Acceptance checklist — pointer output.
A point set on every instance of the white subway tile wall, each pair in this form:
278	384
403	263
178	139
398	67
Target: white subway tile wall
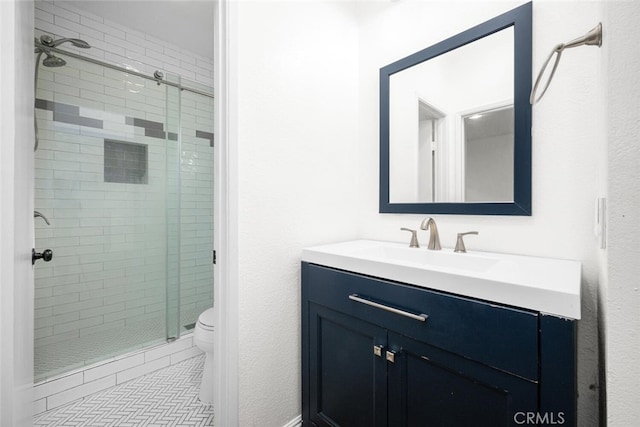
118	245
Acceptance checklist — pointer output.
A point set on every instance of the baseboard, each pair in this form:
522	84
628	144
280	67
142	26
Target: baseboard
296	422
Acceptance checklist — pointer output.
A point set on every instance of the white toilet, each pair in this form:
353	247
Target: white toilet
203	339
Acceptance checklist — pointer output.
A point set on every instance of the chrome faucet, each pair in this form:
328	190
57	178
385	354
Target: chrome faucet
434	239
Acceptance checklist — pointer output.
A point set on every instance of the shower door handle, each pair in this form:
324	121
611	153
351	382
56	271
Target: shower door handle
46	255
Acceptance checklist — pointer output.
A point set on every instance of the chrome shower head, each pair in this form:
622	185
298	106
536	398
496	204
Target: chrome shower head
53	61
47	42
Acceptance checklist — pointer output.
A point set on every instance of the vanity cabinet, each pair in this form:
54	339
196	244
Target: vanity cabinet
381	353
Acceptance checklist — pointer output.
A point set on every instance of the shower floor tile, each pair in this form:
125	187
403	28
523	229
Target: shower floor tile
168	397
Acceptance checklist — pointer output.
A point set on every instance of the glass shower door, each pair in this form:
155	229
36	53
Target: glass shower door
108	181
190	207
196	205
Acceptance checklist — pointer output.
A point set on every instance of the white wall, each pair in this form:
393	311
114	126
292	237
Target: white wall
294	70
489	168
621	295
568	142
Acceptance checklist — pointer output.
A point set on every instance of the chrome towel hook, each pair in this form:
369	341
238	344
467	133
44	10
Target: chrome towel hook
592	38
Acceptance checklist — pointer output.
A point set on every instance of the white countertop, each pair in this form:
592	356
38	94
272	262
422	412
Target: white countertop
547	285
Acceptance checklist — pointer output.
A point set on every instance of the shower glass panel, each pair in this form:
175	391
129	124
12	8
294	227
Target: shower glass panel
128	224
196	230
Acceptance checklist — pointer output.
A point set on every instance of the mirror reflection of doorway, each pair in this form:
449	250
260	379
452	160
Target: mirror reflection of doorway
488	155
430	134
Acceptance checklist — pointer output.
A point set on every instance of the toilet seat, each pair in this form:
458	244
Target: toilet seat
205	327
206	319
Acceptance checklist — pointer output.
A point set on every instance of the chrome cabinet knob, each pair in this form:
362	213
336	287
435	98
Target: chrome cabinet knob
391	356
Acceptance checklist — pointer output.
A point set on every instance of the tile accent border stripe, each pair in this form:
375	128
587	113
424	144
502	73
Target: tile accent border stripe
66	113
151	128
205	135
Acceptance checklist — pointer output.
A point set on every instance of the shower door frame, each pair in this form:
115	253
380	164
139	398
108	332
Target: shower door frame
225	275
16	397
16	213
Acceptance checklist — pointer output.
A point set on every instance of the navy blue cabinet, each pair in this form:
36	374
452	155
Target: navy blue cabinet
349	384
380	353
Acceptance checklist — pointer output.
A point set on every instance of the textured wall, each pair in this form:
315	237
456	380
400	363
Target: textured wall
622	294
295	66
306	154
568	146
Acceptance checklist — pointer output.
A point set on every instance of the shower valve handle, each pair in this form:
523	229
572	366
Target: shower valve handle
46	255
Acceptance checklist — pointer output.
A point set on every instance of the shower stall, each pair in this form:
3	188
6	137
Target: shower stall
124	201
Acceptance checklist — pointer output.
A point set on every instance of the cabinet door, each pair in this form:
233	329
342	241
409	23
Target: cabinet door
431	387
347	380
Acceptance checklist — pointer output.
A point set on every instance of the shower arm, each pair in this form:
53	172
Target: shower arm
592	38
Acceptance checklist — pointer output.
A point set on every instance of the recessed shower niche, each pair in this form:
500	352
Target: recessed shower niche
125	162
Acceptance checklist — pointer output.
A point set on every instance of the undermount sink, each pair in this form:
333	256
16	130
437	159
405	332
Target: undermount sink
438	259
543	284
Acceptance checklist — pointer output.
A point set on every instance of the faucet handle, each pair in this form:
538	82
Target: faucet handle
414	238
460	242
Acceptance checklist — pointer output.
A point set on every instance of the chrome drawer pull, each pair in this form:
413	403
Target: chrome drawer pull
420	317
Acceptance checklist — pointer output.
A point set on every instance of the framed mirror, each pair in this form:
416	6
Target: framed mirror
455	123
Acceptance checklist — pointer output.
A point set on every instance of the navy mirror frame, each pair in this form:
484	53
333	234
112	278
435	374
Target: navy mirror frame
521	20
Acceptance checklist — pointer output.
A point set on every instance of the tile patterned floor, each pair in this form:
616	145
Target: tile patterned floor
168	397
56	358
